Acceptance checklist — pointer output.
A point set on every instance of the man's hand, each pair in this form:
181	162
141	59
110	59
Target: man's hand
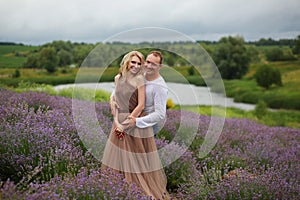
129	122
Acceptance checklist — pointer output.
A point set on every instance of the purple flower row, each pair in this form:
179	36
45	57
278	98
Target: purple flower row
41	150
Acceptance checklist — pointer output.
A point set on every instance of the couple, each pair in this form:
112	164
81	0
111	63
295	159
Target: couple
138	104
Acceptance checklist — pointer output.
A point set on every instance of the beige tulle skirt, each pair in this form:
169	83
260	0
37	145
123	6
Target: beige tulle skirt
137	158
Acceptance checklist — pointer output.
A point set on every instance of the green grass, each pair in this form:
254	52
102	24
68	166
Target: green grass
11	62
7	49
284	67
272	118
286	97
61	76
85	94
79	93
13	56
181	75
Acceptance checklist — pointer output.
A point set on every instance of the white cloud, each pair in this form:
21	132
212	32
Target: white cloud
37	21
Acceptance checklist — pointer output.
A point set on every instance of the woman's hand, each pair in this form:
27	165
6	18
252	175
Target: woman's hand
113	106
119	130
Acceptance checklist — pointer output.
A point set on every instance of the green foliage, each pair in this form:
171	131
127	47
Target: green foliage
231	57
80	52
51	80
261	109
59	45
80	93
85	94
6	49
271	118
16	74
253	54
274	54
13	56
249	92
277	54
65	58
266	75
32	61
196	80
272	42
191	71
296	48
48	59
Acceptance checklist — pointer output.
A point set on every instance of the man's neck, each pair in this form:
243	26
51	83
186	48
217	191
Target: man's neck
152	78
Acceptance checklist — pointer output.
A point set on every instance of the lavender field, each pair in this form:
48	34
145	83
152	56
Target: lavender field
42	156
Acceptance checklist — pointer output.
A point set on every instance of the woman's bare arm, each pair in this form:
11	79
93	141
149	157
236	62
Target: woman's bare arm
140	84
115	108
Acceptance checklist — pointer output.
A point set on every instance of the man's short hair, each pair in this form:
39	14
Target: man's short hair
157	54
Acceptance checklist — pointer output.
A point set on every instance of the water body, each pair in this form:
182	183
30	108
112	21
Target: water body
182	94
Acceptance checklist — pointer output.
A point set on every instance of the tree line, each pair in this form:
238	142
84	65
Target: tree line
232	55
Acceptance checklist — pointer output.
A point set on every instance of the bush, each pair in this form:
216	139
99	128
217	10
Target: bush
296	48
288	101
191	71
196	80
260	109
274	54
248	97
265	76
277	54
16	74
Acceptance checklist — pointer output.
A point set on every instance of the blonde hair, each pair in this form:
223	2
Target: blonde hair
124	65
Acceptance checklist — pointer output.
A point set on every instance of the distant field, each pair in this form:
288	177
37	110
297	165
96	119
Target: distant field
5	49
61	76
13	56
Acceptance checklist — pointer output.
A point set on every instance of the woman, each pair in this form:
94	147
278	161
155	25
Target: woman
132	151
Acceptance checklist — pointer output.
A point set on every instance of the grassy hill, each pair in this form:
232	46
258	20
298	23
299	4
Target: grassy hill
13	56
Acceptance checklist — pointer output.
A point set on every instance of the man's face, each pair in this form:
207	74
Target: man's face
152	65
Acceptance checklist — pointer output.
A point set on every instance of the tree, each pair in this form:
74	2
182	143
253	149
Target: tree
277	54
48	59
65	58
274	54
32	61
296	48
80	52
231	57
60	45
265	76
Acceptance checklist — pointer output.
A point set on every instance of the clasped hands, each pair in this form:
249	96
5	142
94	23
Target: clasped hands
129	122
120	130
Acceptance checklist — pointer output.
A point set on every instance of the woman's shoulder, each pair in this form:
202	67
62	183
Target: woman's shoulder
117	77
140	80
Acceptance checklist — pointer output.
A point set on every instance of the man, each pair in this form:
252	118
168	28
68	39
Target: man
156	95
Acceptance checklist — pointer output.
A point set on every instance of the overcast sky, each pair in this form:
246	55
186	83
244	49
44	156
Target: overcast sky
41	21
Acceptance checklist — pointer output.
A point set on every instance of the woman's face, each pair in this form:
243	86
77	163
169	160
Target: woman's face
134	65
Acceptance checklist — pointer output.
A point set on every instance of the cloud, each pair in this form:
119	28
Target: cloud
36	21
